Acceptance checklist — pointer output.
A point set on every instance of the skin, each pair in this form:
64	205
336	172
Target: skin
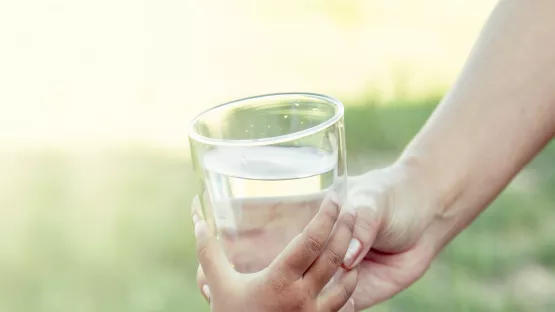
272	225
298	280
499	114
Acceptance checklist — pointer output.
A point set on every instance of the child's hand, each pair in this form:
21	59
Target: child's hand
293	282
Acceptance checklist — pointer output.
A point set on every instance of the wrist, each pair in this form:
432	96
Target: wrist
440	186
440	182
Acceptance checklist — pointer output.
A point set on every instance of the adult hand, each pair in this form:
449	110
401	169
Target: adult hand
393	242
394	210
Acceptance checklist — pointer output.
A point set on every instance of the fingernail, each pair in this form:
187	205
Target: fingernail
352	302
352	253
206	291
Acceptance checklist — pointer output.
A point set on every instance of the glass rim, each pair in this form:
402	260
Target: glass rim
193	134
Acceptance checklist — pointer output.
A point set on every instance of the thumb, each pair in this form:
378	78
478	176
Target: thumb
210	254
367	225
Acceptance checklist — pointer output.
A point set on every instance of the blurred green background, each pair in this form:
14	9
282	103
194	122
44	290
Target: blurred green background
96	180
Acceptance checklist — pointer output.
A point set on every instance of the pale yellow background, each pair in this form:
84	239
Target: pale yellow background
80	74
95	98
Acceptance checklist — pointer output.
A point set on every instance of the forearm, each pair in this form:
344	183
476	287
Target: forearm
498	115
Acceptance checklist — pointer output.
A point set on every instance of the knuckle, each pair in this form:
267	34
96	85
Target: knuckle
334	258
278	284
331	213
348	220
364	222
313	244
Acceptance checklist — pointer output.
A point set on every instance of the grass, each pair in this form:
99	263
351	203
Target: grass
110	230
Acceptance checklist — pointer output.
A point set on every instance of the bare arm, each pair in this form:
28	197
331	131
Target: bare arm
498	116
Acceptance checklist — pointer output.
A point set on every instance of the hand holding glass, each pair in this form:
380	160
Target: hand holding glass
265	164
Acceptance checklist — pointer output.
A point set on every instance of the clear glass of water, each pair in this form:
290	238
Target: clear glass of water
266	163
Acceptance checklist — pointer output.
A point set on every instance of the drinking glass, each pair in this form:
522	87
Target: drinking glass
265	164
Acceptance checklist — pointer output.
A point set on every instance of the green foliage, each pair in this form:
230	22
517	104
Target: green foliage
110	231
